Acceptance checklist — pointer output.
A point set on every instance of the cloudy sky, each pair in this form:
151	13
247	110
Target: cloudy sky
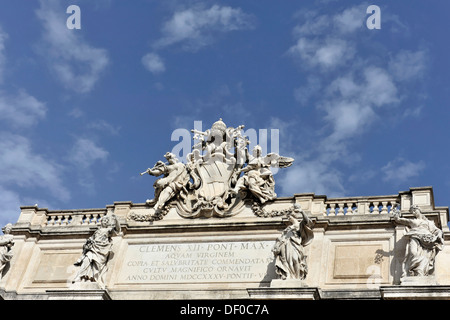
84	111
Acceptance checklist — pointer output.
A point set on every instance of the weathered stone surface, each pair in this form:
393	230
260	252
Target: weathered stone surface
419	281
194	262
292	283
284	293
420	292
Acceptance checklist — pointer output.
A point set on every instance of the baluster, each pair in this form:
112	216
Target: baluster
384	209
376	209
333	209
349	208
341	209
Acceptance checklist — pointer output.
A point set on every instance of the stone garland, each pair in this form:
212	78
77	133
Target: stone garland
263	213
149	217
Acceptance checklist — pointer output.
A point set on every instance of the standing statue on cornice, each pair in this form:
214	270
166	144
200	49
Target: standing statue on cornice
175	179
425	240
258	177
96	252
290	258
6	243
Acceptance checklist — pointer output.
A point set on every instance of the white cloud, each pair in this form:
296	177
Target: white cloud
379	88
21	166
408	65
22	169
344	86
104	126
76	113
356	90
308	173
153	63
323	40
373	86
21	110
326	53
351	19
312	24
196	27
413	111
350	104
76	64
342	23
85	153
348	119
402	170
310	176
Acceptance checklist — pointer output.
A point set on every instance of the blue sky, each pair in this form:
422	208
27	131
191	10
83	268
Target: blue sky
84	111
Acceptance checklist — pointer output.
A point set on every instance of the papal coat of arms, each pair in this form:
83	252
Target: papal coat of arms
220	176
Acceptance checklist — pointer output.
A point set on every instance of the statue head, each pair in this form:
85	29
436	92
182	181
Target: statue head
7	229
104	221
171	158
415	210
219	126
218	130
257	151
296	213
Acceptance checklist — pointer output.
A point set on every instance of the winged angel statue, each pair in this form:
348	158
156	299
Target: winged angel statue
220	175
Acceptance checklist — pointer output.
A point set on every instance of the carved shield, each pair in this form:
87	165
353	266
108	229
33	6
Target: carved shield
215	175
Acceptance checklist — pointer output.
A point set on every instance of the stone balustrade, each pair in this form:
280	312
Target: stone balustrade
316	205
73	218
359	206
43	217
320	205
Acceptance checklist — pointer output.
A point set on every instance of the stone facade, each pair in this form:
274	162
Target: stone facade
216	229
357	252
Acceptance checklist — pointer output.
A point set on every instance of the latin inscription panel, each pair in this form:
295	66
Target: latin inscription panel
237	261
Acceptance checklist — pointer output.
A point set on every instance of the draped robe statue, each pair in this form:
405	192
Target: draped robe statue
97	251
6	243
425	240
290	258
